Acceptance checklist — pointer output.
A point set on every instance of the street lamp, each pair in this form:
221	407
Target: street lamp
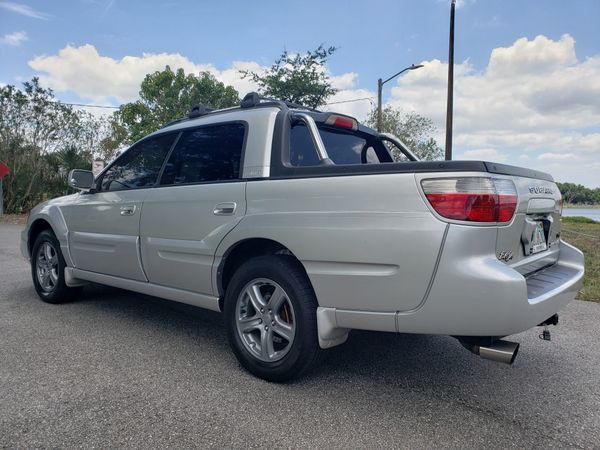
380	84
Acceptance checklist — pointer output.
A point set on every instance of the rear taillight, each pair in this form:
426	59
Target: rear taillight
472	199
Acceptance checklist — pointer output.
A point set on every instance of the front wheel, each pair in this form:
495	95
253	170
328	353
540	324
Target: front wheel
270	312
48	270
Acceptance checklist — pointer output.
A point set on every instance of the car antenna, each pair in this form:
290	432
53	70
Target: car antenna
319	97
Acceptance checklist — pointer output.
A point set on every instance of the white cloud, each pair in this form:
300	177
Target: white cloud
15	39
103	79
535	97
558	156
483	153
353	102
345	81
24	10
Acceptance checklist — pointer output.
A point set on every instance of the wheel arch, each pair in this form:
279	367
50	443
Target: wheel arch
48	217
36	227
244	250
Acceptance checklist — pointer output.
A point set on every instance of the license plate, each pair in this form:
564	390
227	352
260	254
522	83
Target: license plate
538	241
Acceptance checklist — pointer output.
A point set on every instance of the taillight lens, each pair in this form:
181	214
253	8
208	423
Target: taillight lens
472	199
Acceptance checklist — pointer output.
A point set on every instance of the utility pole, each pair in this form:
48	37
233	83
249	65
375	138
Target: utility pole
379	113
380	84
450	105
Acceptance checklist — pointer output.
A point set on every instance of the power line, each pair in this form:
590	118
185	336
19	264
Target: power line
89	106
86	105
349	101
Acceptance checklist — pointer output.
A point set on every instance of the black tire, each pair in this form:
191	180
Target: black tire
303	351
54	289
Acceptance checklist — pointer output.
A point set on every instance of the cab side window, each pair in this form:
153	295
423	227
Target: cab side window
210	153
139	166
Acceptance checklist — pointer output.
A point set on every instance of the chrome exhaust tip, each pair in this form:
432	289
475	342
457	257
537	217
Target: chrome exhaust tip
499	351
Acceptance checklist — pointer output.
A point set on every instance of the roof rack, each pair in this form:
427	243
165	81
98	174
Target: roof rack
250	100
195	112
199	110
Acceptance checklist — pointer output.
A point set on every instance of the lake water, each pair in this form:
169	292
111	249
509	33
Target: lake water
592	213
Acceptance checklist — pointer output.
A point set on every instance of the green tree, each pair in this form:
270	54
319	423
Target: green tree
42	139
33	125
297	78
59	163
412	128
166	96
578	194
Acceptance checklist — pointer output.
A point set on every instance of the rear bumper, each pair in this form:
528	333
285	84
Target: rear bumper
488	298
478	296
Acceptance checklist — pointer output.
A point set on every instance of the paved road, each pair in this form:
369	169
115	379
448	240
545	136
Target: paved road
120	369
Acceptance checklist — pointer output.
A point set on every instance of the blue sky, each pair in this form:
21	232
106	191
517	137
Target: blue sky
529	66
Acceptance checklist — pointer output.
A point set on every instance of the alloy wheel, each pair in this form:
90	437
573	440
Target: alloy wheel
265	320
46	267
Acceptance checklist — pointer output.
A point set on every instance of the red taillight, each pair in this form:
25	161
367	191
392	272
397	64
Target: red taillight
472	199
336	120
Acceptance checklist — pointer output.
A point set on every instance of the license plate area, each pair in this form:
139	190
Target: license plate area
534	237
538	241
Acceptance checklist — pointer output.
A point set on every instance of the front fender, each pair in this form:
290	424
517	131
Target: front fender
51	213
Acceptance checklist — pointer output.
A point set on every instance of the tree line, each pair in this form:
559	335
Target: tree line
577	194
42	139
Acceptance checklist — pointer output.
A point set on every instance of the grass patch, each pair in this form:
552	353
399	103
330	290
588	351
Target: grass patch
577	219
586	237
580	205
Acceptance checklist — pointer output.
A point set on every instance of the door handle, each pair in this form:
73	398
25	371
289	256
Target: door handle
128	210
225	209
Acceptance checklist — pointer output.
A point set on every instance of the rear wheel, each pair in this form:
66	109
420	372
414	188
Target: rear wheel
270	311
47	270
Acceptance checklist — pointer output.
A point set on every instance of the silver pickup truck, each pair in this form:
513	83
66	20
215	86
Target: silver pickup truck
300	225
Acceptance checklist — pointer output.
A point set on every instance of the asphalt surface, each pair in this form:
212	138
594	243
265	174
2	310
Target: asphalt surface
116	369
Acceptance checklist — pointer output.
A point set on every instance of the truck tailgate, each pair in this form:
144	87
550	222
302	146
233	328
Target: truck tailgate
530	241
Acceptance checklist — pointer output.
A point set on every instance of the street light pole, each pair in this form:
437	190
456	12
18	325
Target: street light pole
380	84
379	113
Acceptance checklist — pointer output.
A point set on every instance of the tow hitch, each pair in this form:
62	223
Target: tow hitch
546	333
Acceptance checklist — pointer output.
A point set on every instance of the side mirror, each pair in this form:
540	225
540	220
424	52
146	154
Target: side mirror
81	179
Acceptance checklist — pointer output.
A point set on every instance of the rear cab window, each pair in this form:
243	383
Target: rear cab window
344	147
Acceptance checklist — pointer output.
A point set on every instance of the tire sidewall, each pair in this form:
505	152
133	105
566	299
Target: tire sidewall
284	271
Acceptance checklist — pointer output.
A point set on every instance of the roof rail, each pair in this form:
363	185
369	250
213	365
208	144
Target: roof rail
250	100
253	99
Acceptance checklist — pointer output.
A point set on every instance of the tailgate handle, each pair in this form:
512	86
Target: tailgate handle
225	209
